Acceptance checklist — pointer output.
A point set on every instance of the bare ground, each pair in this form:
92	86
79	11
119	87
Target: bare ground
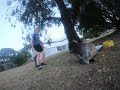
63	72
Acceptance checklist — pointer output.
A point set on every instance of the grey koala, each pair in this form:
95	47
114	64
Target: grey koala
84	51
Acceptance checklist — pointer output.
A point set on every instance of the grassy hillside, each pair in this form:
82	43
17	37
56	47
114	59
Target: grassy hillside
63	72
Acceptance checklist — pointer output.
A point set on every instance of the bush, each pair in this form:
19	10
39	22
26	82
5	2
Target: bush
19	60
21	57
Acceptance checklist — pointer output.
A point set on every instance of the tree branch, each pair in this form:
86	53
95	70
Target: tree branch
52	18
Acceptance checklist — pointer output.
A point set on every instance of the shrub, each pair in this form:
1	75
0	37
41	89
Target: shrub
19	60
21	57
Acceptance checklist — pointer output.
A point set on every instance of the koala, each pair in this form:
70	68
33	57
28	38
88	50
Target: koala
84	51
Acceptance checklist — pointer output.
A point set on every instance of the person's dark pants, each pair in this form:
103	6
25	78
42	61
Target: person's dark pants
38	48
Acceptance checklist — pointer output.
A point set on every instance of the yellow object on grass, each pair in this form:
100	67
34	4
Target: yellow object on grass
108	44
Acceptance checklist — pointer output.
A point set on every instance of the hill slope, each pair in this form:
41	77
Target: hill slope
63	72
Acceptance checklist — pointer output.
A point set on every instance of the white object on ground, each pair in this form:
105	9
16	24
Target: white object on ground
98	47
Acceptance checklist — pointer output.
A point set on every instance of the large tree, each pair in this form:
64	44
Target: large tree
7	54
67	22
91	14
42	12
87	15
111	11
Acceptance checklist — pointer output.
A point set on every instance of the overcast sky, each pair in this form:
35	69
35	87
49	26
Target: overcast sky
9	37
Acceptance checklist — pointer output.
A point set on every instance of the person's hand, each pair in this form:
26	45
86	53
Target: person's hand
32	48
42	46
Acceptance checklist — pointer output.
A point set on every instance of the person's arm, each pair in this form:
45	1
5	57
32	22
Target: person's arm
41	44
32	43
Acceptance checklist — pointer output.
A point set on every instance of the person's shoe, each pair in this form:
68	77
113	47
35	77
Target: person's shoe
43	64
39	67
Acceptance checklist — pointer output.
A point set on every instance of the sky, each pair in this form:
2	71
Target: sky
12	37
9	37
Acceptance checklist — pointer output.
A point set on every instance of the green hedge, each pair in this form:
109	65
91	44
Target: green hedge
19	60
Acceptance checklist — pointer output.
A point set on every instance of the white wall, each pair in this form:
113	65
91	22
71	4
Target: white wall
50	51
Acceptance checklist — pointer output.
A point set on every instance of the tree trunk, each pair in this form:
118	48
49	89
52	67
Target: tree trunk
117	32
117	24
67	22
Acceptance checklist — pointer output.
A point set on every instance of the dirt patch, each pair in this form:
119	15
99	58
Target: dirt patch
63	72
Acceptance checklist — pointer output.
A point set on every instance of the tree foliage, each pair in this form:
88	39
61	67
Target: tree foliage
7	54
17	57
111	11
41	12
21	57
38	12
91	14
